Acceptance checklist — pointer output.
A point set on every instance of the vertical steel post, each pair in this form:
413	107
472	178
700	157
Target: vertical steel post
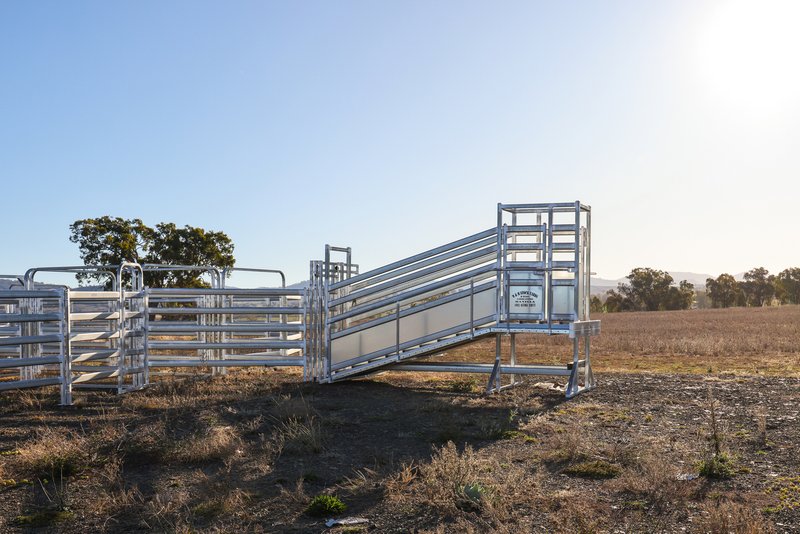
513	356
325	279
397	328
499	289
66	349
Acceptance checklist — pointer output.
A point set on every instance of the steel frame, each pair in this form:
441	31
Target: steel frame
530	274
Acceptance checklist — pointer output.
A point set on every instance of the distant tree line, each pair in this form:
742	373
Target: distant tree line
647	290
759	288
651	290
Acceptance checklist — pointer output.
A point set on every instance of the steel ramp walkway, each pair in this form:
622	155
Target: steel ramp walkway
527	275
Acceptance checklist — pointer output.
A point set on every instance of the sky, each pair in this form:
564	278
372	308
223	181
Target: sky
393	127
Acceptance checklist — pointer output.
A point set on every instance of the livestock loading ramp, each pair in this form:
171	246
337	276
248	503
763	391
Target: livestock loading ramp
530	274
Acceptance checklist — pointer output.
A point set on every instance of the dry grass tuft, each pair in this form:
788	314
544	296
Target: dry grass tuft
455	483
727	517
299	436
288	407
571	513
219	497
655	480
208	445
55	453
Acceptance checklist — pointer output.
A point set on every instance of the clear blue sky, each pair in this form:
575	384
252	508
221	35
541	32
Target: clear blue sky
397	126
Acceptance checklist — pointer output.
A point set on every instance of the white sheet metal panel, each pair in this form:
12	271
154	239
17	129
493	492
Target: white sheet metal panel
525	293
412	326
563	299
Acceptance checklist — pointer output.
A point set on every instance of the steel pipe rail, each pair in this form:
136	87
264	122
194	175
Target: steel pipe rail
413	259
261	292
229	327
261	310
227	270
228	345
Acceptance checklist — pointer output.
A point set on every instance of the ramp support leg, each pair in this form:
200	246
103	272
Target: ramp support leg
573	386
494	378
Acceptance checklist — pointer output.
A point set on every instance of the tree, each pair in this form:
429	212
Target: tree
789	280
723	291
110	241
648	289
595	304
615	302
187	246
758	287
680	297
113	240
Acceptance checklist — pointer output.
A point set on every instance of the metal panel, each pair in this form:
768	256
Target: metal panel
412	327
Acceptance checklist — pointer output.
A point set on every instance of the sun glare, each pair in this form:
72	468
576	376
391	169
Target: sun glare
749	56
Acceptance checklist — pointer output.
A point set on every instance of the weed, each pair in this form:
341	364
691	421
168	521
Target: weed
325	505
467	385
596	469
449	432
716	463
726	517
288	408
718	466
653	480
787	490
44	518
56	452
298	436
761	442
208	445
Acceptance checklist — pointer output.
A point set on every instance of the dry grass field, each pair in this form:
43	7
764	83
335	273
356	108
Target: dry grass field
253	450
750	341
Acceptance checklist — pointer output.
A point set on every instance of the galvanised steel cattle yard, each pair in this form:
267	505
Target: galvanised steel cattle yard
527	275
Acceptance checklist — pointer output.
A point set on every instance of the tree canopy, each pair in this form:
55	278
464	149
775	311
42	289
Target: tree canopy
724	291
650	290
112	240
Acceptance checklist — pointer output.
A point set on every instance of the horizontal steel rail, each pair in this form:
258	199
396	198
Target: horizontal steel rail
261	292
186	345
33	294
261	310
446	268
446	255
416	309
282	362
413	259
8	363
28	317
229	327
459	367
29	340
406	295
33	383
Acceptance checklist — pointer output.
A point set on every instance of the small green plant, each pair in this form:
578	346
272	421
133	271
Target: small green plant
719	466
717	463
597	469
324	505
469	385
787	490
45	518
472	495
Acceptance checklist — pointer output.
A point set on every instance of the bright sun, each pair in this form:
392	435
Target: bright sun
749	55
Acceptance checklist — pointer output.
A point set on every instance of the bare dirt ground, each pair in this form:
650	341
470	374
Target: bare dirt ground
430	453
